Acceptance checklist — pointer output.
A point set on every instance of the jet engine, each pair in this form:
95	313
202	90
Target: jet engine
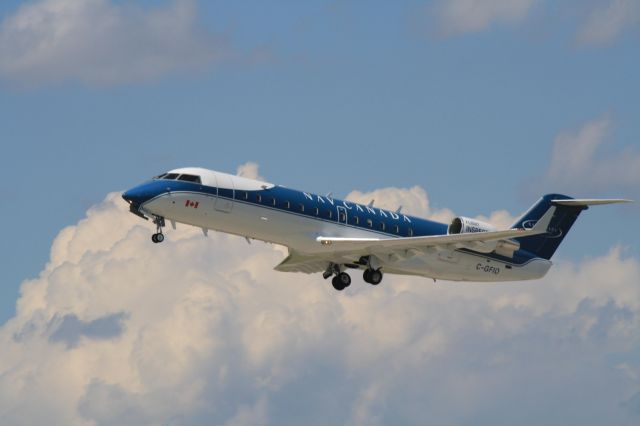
464	225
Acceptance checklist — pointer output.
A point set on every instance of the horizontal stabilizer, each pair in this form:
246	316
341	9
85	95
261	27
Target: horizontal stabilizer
589	202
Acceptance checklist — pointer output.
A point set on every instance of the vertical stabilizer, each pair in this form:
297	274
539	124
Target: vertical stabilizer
564	215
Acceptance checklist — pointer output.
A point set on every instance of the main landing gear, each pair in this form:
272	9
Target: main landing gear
158	237
342	280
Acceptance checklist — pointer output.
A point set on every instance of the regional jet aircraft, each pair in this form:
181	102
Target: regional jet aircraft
331	236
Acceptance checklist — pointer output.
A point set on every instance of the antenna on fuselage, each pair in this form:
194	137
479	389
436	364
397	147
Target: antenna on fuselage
371	203
399	209
329	194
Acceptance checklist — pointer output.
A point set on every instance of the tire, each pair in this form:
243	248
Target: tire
154	238
345	279
159	238
375	277
335	282
366	276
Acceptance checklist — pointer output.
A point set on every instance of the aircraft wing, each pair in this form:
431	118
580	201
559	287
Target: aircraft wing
297	262
461	240
345	250
467	240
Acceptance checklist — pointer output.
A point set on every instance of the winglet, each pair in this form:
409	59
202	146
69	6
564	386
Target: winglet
542	224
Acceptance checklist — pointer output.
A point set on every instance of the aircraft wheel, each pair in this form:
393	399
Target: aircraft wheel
345	279
335	282
154	238
366	276
375	276
341	281
159	238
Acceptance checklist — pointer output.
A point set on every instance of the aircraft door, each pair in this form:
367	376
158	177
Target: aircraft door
226	193
342	214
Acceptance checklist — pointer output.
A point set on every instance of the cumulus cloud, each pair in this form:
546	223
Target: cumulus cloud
412	200
415	201
249	170
102	42
196	330
608	21
468	16
580	160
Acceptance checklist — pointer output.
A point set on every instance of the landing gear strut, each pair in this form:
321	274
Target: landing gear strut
158	237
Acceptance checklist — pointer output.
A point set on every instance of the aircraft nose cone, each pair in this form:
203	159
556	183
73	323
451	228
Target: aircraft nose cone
138	195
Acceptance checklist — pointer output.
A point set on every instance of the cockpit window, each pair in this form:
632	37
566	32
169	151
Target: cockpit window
160	176
170	176
190	178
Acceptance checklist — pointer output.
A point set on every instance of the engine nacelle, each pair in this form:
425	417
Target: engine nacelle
464	225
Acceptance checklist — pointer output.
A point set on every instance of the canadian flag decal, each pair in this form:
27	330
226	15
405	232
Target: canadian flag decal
190	203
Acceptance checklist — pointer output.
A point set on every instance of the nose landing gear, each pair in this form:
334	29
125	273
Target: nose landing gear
158	237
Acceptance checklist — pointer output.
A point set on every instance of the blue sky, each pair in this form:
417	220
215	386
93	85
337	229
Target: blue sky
325	96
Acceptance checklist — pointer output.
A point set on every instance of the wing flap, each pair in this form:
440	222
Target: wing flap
296	262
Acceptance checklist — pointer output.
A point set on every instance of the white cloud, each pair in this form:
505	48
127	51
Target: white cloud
249	170
413	201
609	21
117	330
101	42
416	202
580	162
468	16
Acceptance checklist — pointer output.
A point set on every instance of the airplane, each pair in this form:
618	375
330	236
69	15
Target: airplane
331	236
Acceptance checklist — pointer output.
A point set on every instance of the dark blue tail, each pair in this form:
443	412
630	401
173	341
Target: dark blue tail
545	245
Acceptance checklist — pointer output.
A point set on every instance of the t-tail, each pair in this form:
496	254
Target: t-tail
565	212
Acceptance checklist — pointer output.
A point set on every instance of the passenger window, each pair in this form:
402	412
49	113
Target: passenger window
287	204
356	220
410	232
370	223
330	214
397	229
317	211
246	195
301	207
382	226
342	217
273	201
259	198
